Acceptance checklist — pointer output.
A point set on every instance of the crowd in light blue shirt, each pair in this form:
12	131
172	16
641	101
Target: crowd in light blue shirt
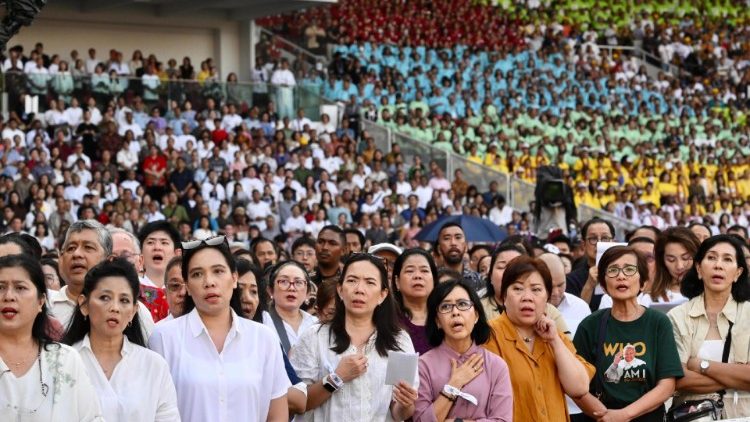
524	79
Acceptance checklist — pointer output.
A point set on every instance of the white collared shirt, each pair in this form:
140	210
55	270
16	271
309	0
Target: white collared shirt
236	384
307	322
365	398
140	388
62	308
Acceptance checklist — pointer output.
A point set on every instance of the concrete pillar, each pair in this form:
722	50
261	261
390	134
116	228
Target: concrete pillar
249	36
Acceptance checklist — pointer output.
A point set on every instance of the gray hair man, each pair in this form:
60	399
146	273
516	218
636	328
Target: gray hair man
87	243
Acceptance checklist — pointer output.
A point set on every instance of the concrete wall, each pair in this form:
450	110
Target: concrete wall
63	27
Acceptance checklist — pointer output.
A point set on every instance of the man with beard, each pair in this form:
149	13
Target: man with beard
451	247
329	248
86	244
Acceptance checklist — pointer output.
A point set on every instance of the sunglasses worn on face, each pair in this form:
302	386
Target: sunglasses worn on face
211	241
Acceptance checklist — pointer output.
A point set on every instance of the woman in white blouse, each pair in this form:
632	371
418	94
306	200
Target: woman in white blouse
344	361
288	286
133	382
39	380
224	367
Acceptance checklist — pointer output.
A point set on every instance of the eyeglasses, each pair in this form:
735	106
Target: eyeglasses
593	239
176	287
628	270
211	241
462	305
285	284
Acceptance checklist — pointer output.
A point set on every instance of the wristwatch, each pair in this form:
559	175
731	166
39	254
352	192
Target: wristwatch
704	366
333	382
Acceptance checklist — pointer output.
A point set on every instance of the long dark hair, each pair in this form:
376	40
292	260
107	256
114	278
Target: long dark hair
119	267
244	266
384	317
692	286
662	278
481	331
41	328
399	265
223	248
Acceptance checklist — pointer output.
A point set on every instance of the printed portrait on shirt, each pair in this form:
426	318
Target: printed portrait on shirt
626	366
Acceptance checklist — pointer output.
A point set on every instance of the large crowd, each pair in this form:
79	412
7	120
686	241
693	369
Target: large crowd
217	254
562	97
115	326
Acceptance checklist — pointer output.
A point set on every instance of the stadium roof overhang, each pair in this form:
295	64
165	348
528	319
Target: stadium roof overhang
234	9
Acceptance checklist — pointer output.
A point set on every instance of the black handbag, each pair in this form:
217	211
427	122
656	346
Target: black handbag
707	409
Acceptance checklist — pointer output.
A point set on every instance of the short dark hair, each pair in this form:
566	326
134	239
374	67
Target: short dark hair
28	243
52	263
480	247
445	271
302	241
161	225
359	235
175	261
653	229
336	229
446	226
597	220
692	286
641	239
273	272
736	227
481	331
119	267
41	328
257	241
521	267
613	254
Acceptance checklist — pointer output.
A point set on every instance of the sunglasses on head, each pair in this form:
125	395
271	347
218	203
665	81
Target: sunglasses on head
211	241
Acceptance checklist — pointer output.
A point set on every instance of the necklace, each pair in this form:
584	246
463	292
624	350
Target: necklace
44	386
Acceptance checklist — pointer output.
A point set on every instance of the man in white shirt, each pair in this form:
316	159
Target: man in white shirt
86	244
76	190
258	210
130	125
73	114
12	130
92	61
572	308
284	80
298	124
501	214
231	120
78	155
119	65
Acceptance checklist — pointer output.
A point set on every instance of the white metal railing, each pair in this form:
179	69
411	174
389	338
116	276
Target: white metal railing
518	192
645	57
294	49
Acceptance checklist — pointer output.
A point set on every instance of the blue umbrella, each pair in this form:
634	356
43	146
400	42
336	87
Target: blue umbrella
476	229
